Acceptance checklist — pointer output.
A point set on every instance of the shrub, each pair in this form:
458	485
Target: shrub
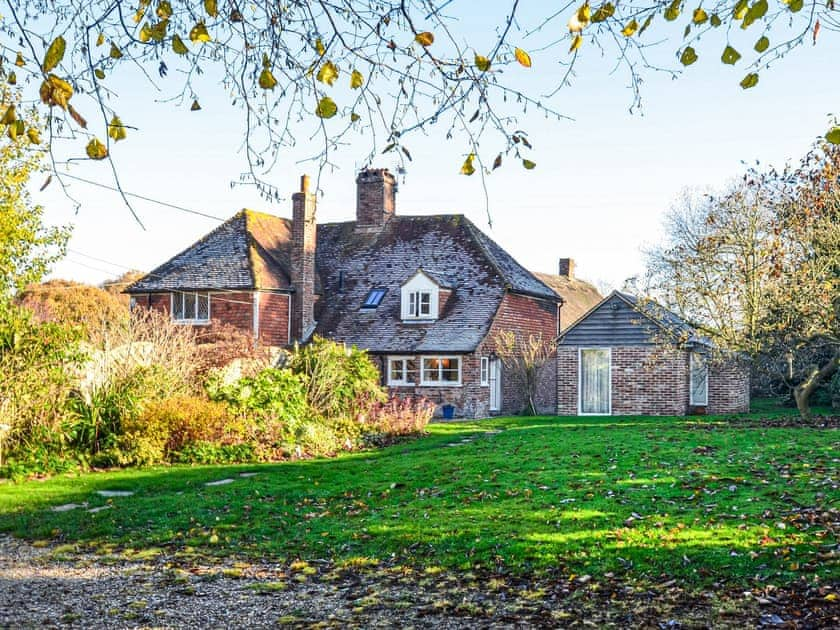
340	381
402	416
220	344
164	428
35	379
212	453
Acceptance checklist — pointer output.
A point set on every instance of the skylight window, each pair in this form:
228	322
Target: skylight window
374	298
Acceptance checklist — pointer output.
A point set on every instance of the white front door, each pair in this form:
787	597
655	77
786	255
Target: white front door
495	384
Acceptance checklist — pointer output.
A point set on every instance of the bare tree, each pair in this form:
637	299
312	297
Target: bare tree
525	358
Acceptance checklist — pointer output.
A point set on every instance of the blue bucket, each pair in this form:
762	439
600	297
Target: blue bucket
448	412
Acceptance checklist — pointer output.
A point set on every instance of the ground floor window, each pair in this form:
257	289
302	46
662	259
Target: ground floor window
485	371
594	382
445	371
191	307
699	380
398	371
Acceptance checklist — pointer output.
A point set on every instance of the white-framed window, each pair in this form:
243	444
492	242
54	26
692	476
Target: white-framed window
398	371
420	304
594	382
442	371
698	380
132	304
485	371
419	298
190	307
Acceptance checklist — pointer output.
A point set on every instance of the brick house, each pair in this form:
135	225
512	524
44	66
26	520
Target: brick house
425	295
632	357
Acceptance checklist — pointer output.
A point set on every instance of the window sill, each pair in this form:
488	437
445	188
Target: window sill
419	320
441	384
192	322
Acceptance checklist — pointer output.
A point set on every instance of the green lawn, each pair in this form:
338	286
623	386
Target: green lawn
705	500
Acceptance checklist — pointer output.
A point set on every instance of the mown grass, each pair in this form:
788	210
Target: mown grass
698	500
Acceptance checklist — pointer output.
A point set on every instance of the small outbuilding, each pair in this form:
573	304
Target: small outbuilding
631	356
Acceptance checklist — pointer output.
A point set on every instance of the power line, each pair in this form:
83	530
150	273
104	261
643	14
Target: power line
144	198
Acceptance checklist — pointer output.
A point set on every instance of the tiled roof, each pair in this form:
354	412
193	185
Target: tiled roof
578	296
248	251
251	250
444	246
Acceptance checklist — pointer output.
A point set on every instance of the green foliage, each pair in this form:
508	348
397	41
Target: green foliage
27	246
214	453
340	381
35	378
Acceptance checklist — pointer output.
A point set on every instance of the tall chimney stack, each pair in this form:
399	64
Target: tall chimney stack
567	268
304	239
376	191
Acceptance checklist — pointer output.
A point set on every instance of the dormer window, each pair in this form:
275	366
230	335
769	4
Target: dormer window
419	304
374	298
419	298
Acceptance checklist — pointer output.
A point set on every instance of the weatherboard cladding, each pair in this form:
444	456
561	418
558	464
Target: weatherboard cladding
623	320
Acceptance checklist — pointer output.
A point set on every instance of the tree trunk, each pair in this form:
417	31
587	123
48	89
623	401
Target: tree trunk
802	392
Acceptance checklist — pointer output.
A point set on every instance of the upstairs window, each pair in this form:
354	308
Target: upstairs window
419	297
191	308
374	298
419	304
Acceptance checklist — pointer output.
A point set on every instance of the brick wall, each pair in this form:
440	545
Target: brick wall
375	198
654	381
471	399
729	386
274	318
525	316
304	238
234	307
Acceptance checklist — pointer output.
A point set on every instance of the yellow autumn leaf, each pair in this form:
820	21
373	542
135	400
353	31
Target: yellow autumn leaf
55	91
326	108
630	29
164	10
34	135
9	117
522	57
528	164
319	47
96	150
115	52
467	167
354	117
199	33
12	79
328	73
100	73
211	8
267	80
482	63
195	106
19	62
100	39
116	130
425	38
178	45
356	79
576	43
54	54
15	129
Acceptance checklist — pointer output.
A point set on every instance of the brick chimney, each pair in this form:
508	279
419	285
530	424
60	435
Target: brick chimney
376	191
304	231
567	268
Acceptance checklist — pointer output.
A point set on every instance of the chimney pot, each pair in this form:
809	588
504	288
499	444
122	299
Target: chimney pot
304	183
376	192
567	268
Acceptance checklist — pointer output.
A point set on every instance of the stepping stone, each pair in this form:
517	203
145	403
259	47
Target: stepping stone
67	507
220	482
99	509
114	493
248	474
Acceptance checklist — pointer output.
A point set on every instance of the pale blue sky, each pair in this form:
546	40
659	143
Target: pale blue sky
601	185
